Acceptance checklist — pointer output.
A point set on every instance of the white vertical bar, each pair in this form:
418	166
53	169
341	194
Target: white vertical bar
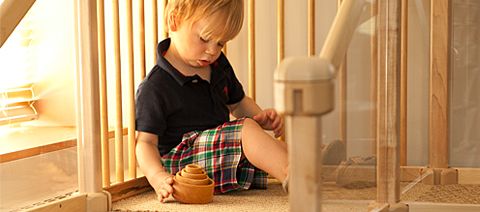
87	96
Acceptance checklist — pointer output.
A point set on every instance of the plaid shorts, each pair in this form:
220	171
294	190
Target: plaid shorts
219	152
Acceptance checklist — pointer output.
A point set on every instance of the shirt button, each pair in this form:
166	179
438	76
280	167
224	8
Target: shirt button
195	81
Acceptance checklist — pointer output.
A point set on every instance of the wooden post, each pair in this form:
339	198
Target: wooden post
132	163
439	72
403	84
103	93
89	149
304	92
440	31
251	49
388	147
118	95
88	113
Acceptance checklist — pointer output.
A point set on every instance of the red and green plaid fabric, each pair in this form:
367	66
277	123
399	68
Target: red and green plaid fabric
219	152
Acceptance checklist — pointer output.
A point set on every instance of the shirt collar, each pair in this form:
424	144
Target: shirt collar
217	67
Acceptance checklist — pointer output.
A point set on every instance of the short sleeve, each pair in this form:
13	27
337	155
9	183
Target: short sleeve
235	88
149	111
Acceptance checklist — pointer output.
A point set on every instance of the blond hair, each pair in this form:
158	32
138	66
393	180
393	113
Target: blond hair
231	12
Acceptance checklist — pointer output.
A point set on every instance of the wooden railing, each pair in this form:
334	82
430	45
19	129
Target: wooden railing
379	95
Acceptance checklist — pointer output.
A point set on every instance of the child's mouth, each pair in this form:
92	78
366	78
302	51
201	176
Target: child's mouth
204	62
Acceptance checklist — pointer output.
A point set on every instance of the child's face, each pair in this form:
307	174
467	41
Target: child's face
193	49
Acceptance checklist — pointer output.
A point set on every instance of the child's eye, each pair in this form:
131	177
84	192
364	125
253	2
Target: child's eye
221	44
204	40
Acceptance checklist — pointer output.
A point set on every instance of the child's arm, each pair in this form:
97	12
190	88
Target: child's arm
245	108
149	161
268	118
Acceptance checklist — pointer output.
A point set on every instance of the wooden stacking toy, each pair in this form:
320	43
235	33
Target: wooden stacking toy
192	185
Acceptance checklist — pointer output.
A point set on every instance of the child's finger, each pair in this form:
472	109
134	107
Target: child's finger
260	118
169	180
160	196
164	193
169	189
278	132
276	123
271	114
279	129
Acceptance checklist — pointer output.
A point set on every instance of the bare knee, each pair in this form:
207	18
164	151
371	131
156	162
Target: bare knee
250	130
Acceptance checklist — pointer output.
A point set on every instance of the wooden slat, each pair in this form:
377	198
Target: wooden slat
403	84
11	13
251	49
439	71
25	153
118	94
132	163
410	173
311	27
281	39
342	95
102	65
373	76
7	157
388	150
442	207
468	175
129	188
165	29
154	10
280	30
141	38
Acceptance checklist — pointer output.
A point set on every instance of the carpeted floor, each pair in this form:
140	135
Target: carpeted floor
274	199
271	199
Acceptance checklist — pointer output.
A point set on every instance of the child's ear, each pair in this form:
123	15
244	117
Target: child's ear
172	22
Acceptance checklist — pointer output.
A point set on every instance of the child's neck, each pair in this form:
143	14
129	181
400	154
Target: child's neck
175	60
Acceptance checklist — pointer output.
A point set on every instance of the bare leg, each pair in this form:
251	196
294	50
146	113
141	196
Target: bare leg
264	151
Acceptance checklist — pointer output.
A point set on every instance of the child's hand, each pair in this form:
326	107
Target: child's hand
163	185
270	120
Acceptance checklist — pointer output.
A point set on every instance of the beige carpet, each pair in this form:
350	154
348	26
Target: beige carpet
271	199
274	199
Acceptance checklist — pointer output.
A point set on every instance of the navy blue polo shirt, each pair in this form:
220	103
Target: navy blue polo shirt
170	104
